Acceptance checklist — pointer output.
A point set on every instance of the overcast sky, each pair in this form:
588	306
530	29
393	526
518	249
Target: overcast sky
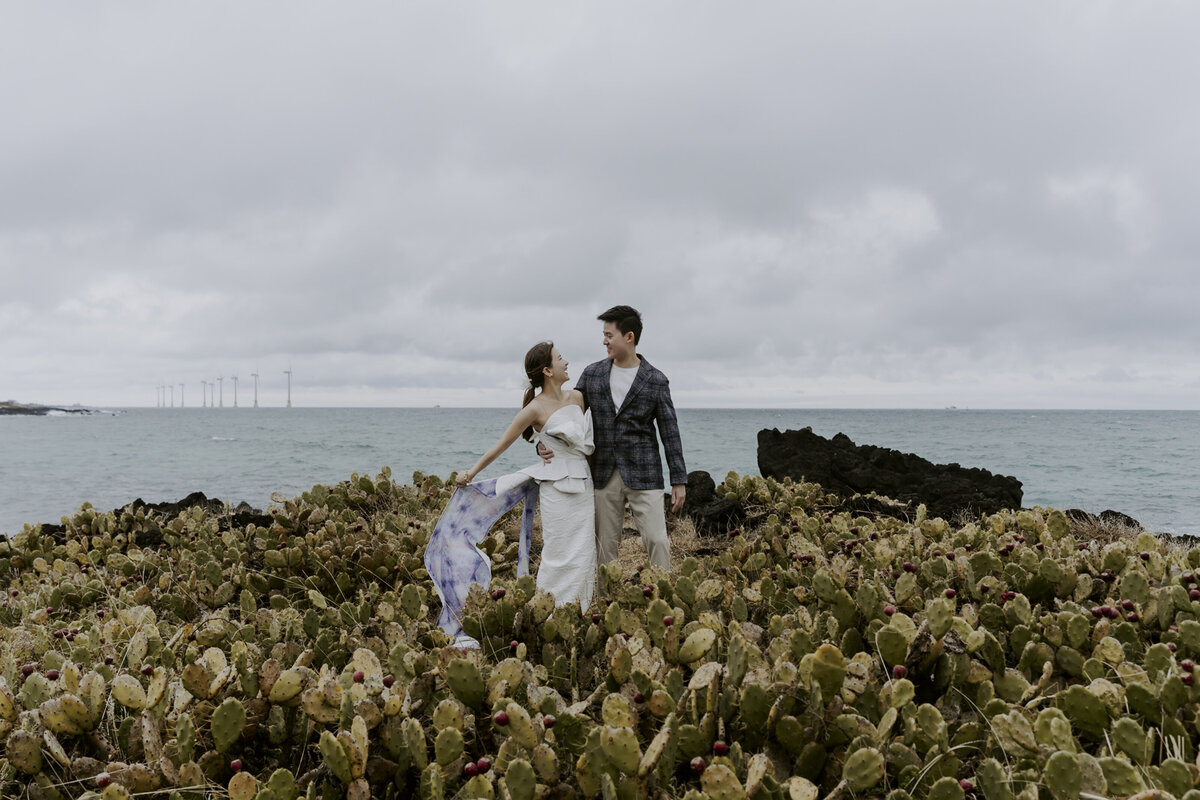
852	204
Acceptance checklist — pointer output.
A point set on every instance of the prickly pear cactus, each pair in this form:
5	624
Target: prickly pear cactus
1062	776
228	723
696	645
336	757
25	752
66	715
448	746
994	780
620	746
864	769
520	780
719	782
465	680
814	652
243	786
829	670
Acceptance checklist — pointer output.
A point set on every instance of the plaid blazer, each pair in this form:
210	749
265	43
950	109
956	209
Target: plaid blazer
624	436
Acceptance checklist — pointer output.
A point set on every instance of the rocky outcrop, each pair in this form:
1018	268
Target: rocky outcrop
22	409
712	515
240	516
847	469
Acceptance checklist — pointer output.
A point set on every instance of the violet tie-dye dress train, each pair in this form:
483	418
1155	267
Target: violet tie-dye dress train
564	485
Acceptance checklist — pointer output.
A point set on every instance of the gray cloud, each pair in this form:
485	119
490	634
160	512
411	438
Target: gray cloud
875	205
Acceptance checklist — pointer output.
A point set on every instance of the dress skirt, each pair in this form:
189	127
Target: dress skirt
568	566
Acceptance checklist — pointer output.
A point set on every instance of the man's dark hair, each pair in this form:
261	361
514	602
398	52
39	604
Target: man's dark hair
626	318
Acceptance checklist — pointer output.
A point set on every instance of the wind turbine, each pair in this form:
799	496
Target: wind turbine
221	383
158	397
204	394
181	395
288	372
235	379
172	388
255	376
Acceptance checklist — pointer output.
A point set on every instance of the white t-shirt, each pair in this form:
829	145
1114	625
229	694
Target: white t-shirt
619	380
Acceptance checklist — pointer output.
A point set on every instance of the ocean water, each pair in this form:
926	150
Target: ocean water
1142	463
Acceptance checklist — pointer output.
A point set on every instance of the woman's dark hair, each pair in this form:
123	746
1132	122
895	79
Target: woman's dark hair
537	360
626	318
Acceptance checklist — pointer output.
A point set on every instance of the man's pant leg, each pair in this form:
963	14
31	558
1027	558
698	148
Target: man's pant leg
651	518
610	518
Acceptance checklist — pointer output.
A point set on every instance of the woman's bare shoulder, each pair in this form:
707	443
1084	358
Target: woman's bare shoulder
530	413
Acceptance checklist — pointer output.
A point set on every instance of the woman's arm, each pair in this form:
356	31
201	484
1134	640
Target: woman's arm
524	418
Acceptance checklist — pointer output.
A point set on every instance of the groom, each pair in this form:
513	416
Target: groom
628	397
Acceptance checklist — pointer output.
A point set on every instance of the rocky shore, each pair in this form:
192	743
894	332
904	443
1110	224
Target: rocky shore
34	410
845	468
238	516
876	481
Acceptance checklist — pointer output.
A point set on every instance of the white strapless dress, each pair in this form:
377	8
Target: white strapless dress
568	565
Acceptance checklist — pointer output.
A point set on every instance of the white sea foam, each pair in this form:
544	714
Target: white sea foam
83	412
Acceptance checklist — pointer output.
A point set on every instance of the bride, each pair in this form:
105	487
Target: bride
556	418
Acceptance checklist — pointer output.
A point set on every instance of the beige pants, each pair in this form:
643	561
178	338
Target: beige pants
648	514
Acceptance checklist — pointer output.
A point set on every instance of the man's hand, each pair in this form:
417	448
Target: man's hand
545	452
678	495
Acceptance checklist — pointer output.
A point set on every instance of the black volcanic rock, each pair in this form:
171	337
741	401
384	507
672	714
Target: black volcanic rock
21	409
30	410
846	469
239	517
712	515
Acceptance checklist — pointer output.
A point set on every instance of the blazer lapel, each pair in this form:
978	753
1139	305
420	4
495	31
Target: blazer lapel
639	381
606	387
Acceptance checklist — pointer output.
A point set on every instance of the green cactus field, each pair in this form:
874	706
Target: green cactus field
812	654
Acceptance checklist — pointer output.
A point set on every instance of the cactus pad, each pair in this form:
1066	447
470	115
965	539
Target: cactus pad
465	680
719	782
520	780
620	746
228	722
243	786
863	769
829	670
448	746
127	691
698	643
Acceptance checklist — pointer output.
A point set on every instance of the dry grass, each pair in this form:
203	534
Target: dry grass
631	552
1103	532
684	542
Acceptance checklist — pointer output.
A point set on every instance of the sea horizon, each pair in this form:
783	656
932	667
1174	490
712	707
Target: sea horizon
1136	461
244	406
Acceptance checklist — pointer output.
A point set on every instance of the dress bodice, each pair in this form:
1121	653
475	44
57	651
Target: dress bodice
568	434
568	429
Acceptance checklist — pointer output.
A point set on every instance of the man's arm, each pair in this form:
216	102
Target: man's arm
668	430
581	386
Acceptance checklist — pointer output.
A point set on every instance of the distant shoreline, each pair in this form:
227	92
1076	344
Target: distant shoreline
33	410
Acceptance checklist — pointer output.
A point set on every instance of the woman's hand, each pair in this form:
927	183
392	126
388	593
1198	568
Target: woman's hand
464	477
